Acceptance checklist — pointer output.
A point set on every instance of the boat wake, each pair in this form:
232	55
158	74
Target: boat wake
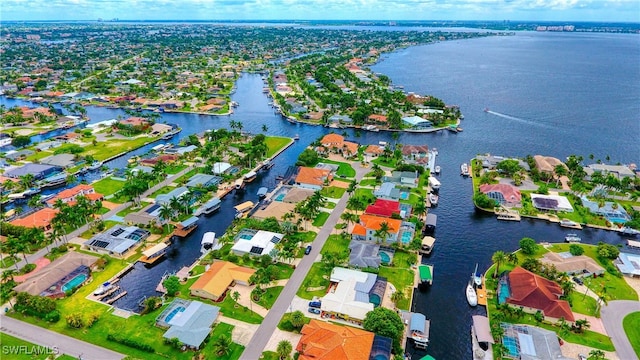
524	121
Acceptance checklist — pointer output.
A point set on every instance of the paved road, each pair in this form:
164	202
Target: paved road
42	252
64	344
283	303
612	316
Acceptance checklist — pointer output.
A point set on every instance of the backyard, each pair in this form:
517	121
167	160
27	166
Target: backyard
275	143
631	324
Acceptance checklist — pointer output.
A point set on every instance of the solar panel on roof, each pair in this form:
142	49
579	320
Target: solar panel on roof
152	208
545	203
99	243
117	232
256	250
275	240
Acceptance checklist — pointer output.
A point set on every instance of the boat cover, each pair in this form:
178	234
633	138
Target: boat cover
482	329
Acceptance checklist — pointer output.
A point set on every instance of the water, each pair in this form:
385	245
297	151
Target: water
567	94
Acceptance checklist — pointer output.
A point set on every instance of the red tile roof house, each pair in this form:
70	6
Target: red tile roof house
384	208
415	153
311	178
534	293
336	143
377	119
39	219
69	196
374	150
135	121
505	194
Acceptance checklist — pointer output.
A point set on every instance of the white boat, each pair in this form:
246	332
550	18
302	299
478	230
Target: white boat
477	277
472	297
297	137
103	288
464	169
570	224
433	199
434	183
95	165
208	240
436	170
572	238
239	184
250	176
629	231
262	192
371	128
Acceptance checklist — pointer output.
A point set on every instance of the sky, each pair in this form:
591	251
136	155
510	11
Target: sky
529	10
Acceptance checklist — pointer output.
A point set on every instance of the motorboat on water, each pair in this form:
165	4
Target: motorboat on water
95	165
208	240
297	137
250	176
436	170
434	183
572	238
102	289
472	297
570	224
477	277
433	199
464	169
629	231
262	192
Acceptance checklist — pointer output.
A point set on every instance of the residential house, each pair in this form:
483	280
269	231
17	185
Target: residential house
165	158
373	151
490	162
326	341
255	242
377	119
504	194
311	178
204	180
364	254
405	179
416	123
18	155
384	208
220	168
221	275
352	294
534	293
547	164
69	196
387	191
619	171
159	129
117	241
61	160
175	193
39	171
551	202
366	229
572	265
415	154
39	219
628	264
188	321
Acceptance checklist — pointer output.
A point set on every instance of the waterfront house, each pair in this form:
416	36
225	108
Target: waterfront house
366	229
340	119
531	342
415	154
204	180
373	151
337	144
159	129
165	158
175	193
387	191
384	208
490	162
255	242
551	202
276	209
619	171
503	194
117	241
69	196
60	160
352	294
326	341
312	178
63	274
377	119
188	321
39	219
628	264
18	155
5	139
572	265
547	164
181	150
220	168
416	123
221	275
534	293
364	254
405	179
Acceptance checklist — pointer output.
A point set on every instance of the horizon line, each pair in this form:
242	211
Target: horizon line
115	20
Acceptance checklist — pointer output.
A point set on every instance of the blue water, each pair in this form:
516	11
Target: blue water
384	257
565	94
280	197
73	283
406	237
511	345
503	292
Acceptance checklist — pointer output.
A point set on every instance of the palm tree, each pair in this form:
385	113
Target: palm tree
222	345
349	217
165	213
384	231
498	258
297	319
235	296
580	325
284	349
27	181
7	275
34	202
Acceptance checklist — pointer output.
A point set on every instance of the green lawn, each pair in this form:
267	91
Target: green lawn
631	325
108	186
368	182
132	209
336	244
403	259
275	143
269	355
176	168
269	297
222	329
314	279
39	155
162	190
285	323
344	170
401	279
18	349
106	149
321	219
583	304
333	192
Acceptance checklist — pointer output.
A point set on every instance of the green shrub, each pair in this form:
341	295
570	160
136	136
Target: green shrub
131	343
576	250
75	320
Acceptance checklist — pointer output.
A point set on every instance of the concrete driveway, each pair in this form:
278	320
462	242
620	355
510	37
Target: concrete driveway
612	316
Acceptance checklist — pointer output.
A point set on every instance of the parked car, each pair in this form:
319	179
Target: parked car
577	280
314	311
307	251
314	304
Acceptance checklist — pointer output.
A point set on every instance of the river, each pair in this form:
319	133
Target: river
554	94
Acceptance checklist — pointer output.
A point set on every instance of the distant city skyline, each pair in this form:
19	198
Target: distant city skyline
514	10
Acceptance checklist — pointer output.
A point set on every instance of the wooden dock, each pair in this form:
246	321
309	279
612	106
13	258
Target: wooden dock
111	301
114	289
482	293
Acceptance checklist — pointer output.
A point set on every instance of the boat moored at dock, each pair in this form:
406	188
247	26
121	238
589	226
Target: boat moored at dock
243	209
418	327
427	245
211	206
570	224
186	227
262	192
250	176
464	169
154	253
426	274
433	199
572	238
472	297
430	223
207	242
434	183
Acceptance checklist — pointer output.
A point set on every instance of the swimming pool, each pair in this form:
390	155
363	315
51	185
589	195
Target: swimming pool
74	283
619	220
173	313
280	197
245	237
512	346
384	257
503	292
404	195
406	237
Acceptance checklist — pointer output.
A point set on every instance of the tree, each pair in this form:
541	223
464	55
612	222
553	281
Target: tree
235	296
596	355
297	319
498	258
580	325
21	141
165	213
576	250
397	296
284	349
172	284
385	322
222	345
509	167
528	246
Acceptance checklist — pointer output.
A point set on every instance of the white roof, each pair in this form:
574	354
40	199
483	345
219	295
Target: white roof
154	249
341	274
415	120
220	167
342	300
563	202
262	239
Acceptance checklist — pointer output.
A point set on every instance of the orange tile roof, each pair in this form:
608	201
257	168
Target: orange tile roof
332	139
373	222
359	230
325	341
534	291
378	118
82	189
219	277
374	149
307	175
351	147
39	219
